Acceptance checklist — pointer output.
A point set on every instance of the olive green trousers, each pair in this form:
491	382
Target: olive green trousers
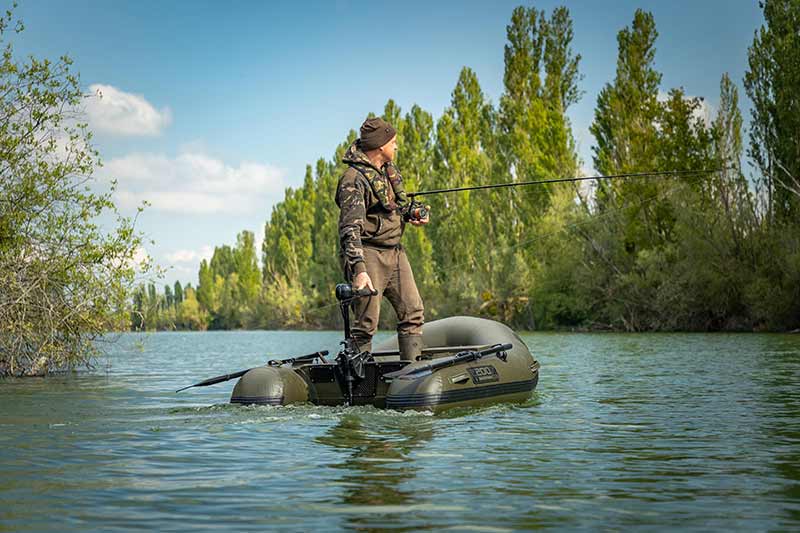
391	275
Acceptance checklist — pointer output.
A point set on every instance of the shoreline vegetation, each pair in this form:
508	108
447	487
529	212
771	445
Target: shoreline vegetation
702	253
716	252
64	280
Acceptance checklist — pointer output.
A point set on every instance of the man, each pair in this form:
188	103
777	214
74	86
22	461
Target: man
370	229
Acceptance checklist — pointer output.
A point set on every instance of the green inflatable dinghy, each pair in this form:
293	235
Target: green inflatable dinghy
465	361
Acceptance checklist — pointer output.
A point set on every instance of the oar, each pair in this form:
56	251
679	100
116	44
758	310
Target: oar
461	357
227	377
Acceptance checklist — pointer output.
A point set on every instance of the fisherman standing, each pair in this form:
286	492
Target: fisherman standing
370	229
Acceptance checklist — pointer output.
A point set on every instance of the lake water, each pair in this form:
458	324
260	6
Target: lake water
690	431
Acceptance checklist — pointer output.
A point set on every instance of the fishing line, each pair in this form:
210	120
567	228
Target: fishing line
567	180
594	218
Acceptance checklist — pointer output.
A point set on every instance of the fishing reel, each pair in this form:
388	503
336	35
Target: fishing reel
414	211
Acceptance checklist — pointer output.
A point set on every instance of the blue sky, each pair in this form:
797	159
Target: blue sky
210	110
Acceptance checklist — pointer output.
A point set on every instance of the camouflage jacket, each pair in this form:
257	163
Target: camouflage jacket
367	202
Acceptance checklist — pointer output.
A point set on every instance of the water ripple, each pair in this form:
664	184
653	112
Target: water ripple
698	432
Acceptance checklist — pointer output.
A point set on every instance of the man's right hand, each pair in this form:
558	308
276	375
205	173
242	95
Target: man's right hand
362	280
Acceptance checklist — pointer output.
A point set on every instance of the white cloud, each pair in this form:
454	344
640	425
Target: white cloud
190	256
117	112
184	271
259	240
139	259
194	182
704	112
140	255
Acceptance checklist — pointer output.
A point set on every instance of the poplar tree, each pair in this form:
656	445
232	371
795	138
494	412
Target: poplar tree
178	293
772	82
169	299
460	161
625	130
206	292
247	271
627	110
730	188
533	141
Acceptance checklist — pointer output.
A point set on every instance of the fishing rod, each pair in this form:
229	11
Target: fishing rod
565	180
417	211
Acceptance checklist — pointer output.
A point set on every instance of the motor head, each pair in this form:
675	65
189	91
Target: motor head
345	291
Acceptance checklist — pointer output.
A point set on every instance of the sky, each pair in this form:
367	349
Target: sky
210	110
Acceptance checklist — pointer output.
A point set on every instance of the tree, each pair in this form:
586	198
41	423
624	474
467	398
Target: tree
535	142
246	268
460	161
63	279
730	189
625	129
627	110
772	83
190	315
178	293
169	299
207	295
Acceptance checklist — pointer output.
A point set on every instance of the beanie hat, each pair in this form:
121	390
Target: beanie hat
375	132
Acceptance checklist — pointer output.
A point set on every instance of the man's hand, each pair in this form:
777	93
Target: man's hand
362	280
420	222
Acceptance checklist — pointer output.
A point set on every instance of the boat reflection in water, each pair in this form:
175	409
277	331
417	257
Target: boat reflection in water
377	466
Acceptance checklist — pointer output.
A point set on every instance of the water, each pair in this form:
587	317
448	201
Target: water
698	432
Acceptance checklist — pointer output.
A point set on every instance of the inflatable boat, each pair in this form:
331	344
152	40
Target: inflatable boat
465	362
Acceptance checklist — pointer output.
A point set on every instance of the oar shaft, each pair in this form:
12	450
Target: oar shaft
470	355
218	379
227	377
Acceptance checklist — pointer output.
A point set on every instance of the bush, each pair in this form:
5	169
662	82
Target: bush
63	279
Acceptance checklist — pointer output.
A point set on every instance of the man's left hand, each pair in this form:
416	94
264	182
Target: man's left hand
420	222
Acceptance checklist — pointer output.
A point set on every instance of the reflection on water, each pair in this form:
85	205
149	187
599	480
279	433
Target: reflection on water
782	412
377	462
377	465
650	431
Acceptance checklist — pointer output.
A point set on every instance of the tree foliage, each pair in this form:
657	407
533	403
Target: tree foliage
703	252
772	83
64	279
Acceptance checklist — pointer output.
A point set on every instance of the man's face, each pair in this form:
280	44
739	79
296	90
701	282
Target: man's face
389	149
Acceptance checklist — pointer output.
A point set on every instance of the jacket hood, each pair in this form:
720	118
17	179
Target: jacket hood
354	156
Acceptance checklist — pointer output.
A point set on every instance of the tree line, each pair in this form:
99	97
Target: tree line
700	253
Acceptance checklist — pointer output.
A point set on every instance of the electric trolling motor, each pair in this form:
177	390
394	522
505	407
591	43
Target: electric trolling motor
351	360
